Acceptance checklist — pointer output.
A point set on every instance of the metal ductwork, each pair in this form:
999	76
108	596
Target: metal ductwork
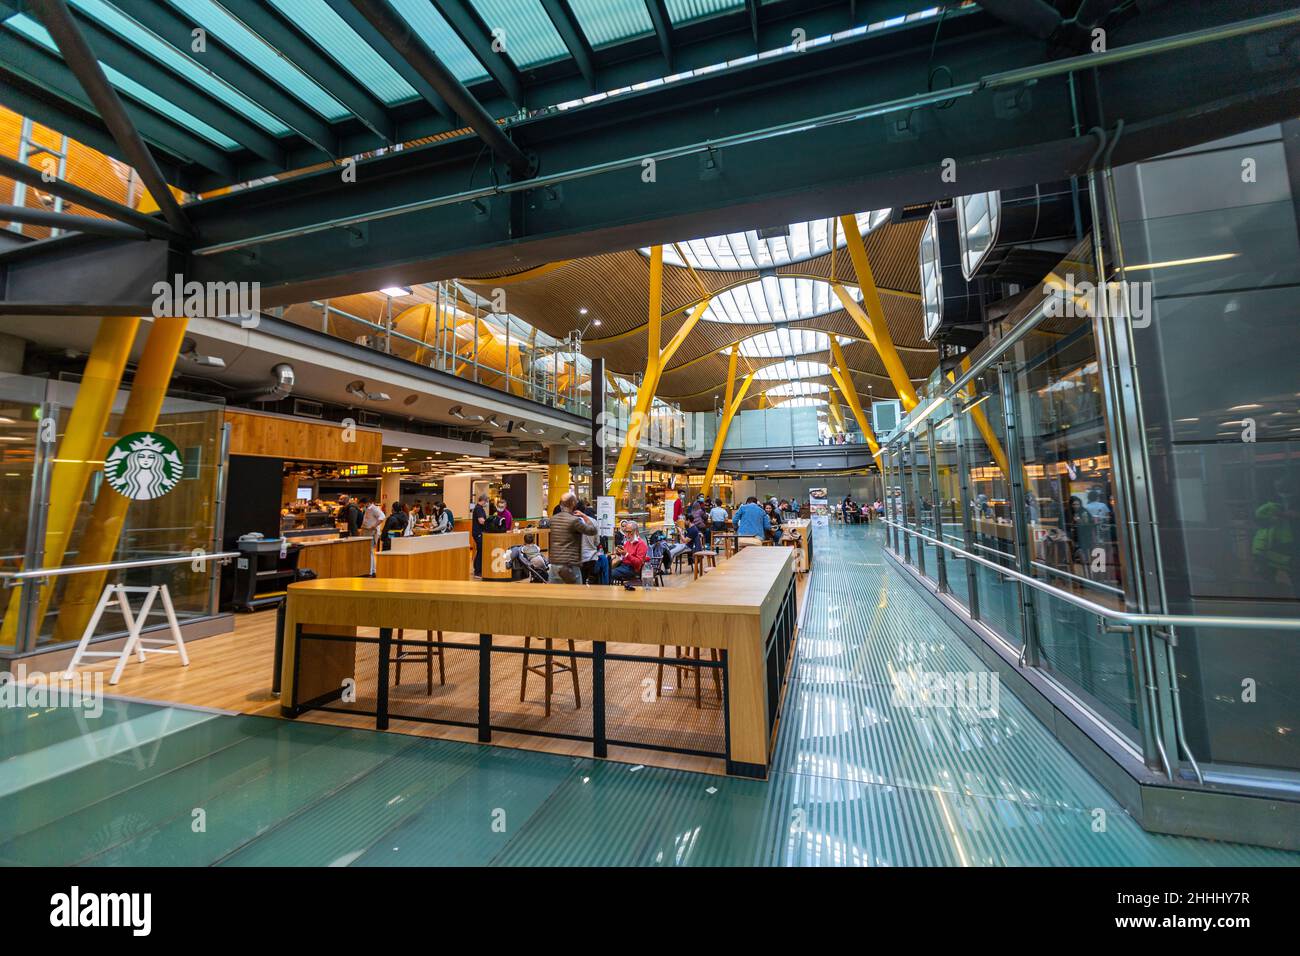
951	306
1018	235
280	388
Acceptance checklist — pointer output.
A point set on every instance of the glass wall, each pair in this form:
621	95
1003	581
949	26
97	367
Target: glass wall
179	523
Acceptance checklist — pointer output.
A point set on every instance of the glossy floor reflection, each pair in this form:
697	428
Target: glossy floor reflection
858	780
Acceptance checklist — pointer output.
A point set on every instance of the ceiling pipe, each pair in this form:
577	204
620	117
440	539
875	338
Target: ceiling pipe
280	388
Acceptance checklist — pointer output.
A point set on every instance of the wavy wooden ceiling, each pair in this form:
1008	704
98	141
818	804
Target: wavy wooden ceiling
614	289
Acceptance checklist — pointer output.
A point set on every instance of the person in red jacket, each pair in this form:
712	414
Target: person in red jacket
632	555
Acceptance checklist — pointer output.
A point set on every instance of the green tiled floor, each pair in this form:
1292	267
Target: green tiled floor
858	779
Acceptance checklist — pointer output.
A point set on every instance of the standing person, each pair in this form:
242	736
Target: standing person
395	525
506	518
478	524
442	519
349	513
751	523
632	555
679	506
372	519
568	529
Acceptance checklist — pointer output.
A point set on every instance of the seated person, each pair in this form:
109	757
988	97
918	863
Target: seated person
630	557
528	556
681	545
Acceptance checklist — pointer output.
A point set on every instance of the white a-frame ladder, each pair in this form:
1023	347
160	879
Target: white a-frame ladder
134	624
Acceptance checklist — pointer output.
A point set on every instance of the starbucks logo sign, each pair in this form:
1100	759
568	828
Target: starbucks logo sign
143	465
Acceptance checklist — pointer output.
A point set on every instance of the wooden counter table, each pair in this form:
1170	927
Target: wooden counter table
335	557
433	557
801	529
745	609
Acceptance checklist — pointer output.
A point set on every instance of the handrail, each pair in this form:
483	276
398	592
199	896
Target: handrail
8	576
1124	617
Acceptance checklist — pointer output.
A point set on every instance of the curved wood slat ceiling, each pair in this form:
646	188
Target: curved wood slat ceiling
614	288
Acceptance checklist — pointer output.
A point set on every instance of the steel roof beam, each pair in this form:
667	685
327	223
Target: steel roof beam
364	29
566	24
26	65
84	197
81	60
61	220
414	51
264	20
169	25
179	89
471	29
663	26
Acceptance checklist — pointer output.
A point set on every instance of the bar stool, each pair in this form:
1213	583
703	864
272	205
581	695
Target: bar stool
686	654
548	669
700	557
424	657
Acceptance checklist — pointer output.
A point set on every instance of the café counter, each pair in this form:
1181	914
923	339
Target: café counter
740	616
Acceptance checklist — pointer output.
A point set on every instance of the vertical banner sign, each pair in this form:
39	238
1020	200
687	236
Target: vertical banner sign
605	515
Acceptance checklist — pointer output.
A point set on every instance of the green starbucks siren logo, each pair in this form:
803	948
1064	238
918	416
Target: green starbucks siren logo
143	465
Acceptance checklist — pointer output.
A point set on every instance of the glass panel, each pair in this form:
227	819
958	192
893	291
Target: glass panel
26	26
776	299
684	11
983	428
20	410
611	21
116	21
328	31
216	20
526	31
1070	497
438	34
1214	255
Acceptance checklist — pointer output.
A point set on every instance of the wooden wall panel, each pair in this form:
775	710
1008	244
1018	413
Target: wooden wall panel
272	436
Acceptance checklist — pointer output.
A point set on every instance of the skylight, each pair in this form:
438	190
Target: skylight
776	299
748	250
792	370
787	343
791	389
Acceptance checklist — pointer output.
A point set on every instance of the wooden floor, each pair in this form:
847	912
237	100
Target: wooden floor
233	672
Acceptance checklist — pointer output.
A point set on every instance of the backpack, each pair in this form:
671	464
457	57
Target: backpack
494	525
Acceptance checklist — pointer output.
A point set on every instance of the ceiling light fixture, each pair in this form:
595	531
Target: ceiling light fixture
395	291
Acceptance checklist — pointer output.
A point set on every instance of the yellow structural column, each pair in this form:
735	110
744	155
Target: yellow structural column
873	322
833	406
656	359
727	415
104	529
844	378
721	436
76	458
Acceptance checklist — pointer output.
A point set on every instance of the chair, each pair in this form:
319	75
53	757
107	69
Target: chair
655	557
685	654
700	557
424	657
547	670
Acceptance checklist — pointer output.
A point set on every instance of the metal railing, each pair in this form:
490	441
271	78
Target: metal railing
10	577
1101	610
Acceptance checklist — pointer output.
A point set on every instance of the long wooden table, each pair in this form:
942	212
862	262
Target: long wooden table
745	607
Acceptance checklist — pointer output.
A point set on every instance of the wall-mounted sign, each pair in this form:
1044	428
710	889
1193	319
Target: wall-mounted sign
143	465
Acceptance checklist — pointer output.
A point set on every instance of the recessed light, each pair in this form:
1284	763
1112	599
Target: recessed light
395	291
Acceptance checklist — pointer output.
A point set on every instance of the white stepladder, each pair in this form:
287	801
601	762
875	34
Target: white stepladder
134	624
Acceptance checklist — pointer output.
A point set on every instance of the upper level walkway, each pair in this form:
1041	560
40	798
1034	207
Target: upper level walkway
860	777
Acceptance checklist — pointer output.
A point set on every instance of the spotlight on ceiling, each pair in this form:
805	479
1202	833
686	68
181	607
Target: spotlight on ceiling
395	291
583	310
190	353
458	411
357	389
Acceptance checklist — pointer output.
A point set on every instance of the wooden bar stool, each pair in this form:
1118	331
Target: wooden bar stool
679	668
424	657
700	557
685	670
547	670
